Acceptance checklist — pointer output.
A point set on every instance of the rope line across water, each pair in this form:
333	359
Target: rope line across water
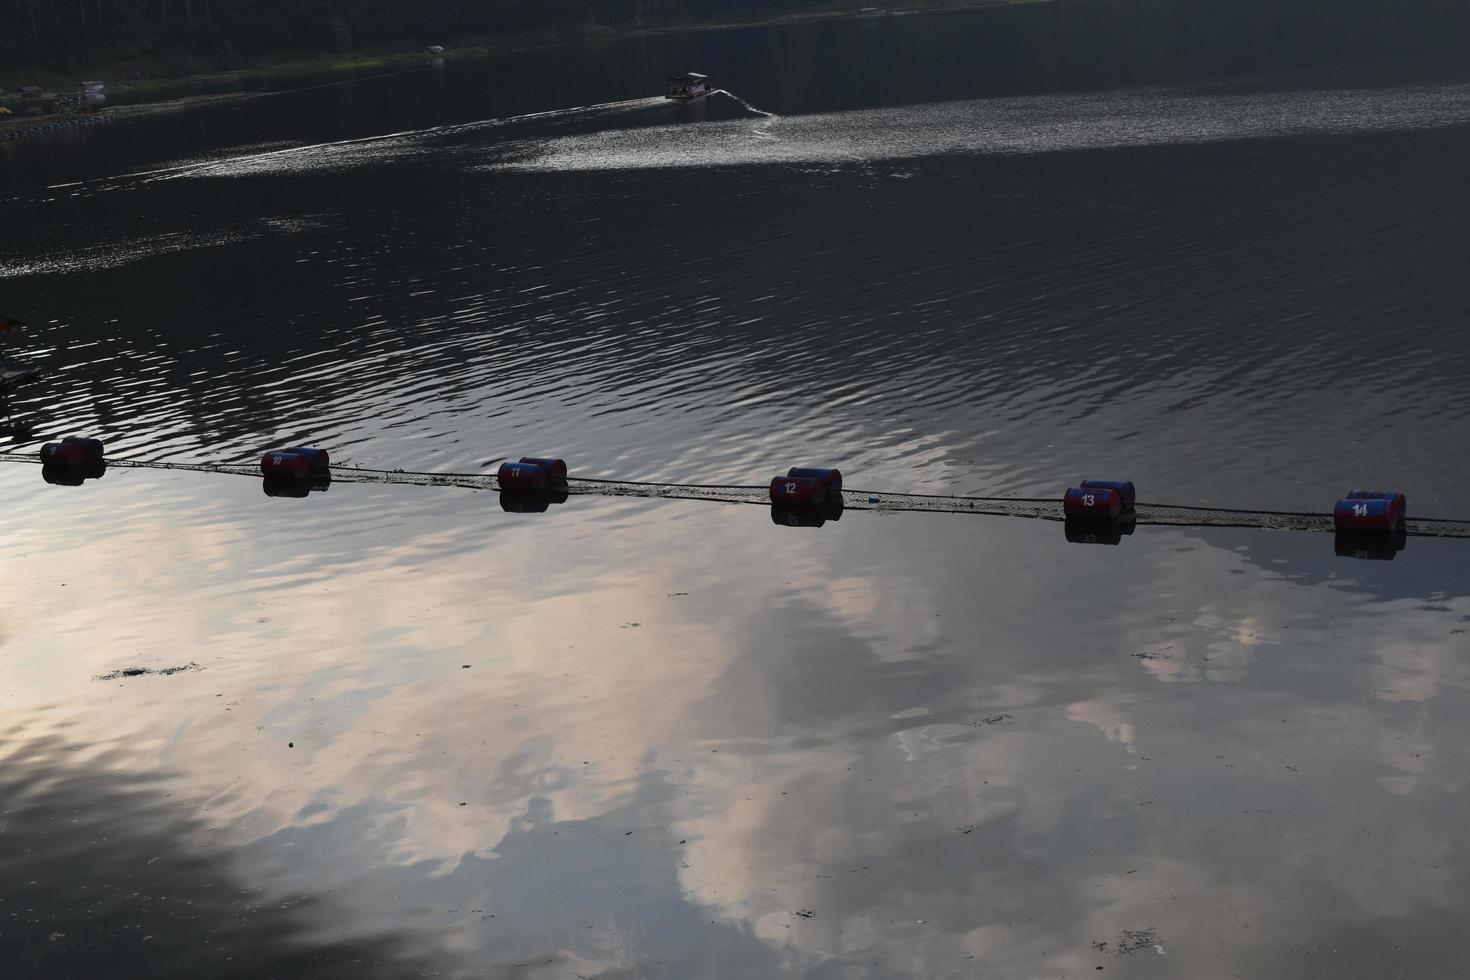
1036	508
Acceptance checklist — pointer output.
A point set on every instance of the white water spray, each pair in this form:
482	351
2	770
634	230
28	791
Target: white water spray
243	161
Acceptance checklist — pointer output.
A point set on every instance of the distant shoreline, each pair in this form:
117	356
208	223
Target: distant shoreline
167	84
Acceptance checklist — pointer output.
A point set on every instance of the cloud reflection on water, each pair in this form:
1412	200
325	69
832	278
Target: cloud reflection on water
938	760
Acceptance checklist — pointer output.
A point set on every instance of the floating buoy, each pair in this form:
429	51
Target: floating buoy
64	453
1370	545
72	451
521	477
806	485
1366	510
317	459
1123	487
1400	502
95	451
556	469
797	490
282	465
832	478
1089	504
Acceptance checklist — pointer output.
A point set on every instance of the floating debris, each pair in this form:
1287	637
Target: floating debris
146	671
1132	941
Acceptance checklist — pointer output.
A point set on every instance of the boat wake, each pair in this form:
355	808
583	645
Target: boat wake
1004	126
745	105
366	149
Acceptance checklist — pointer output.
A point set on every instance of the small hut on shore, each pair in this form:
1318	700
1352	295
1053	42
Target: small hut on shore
93	95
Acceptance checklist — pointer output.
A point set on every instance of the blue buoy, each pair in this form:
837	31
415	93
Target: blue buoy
1377	513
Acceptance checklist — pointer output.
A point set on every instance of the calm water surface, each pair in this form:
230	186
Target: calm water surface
418	735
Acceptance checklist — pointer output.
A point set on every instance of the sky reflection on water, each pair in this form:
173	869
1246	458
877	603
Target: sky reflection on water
691	741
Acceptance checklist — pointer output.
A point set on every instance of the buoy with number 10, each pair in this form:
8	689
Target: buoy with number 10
282	465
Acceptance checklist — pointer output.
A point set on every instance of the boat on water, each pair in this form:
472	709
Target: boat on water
689	85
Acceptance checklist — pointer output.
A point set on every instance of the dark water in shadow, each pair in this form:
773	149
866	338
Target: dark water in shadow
632	738
1204	285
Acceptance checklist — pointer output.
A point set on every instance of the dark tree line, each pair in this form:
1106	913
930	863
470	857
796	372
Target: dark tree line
61	35
69	35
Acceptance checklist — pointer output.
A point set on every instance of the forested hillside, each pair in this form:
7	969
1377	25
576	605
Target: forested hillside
70	35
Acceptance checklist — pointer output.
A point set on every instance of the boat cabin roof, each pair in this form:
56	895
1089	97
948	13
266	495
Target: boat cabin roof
688	76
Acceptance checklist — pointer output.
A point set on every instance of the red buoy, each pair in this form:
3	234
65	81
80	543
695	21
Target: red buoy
556	469
282	465
1092	504
521	477
798	490
832	478
1123	487
92	447
317	459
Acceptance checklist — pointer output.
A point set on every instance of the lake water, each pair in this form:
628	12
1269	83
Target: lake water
419	735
